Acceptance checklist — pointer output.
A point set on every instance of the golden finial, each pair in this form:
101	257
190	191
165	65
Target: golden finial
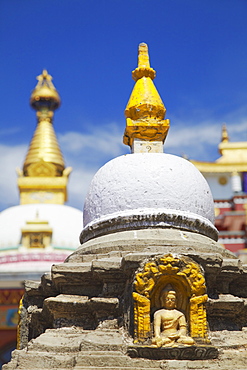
45	93
45	78
143	69
145	110
224	135
44	177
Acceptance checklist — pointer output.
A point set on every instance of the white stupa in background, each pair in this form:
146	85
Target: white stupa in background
41	230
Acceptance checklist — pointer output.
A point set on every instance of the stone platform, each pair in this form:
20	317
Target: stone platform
78	349
79	316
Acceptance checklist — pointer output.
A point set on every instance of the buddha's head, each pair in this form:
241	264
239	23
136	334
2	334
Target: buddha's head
169	299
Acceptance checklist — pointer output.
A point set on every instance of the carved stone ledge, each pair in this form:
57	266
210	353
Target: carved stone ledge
174	353
163	218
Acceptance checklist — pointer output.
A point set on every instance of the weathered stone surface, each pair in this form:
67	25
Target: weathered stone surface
75	278
107	306
31	286
226	305
102	340
88	298
225	339
211	262
68	310
107	264
132	261
59	340
105	359
111	280
37	361
35	293
47	286
226	312
77	349
238	285
63	304
138	240
232	264
75	270
174	353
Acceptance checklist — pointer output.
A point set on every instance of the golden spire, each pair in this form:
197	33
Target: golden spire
44	158
224	141
145	110
224	135
44	146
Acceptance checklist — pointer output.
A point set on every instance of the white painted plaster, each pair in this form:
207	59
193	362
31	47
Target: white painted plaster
148	181
236	183
222	204
240	200
66	223
220	191
231	240
145	146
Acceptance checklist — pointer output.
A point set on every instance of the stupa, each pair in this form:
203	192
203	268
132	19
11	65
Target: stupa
149	287
227	178
41	230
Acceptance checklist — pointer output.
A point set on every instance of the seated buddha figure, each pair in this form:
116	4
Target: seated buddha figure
170	324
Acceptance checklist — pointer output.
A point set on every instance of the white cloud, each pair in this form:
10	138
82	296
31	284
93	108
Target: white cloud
200	140
107	140
11	157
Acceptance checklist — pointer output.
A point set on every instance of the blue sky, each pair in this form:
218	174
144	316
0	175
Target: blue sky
198	49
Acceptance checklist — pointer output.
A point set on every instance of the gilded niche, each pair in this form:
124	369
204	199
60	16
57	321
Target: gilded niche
169	303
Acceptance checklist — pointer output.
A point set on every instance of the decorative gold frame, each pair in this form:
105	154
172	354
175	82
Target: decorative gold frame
186	277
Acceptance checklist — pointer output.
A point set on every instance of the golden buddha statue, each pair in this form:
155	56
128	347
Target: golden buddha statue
170	324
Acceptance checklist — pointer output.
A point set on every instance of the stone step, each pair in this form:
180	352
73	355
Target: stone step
117	359
76	278
91	368
113	368
24	360
91	257
88	278
69	340
71	267
107	264
50	342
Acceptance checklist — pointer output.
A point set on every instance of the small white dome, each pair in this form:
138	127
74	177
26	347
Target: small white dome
65	221
148	190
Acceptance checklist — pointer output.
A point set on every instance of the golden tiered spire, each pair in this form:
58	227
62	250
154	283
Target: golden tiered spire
145	110
44	159
224	135
44	146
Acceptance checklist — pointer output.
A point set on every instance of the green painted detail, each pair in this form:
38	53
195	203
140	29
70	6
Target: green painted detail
9	248
64	248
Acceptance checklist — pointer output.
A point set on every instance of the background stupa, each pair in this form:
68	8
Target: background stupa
42	230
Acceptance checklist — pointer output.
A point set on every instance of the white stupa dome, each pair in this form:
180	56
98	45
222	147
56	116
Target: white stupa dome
65	222
18	263
146	190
